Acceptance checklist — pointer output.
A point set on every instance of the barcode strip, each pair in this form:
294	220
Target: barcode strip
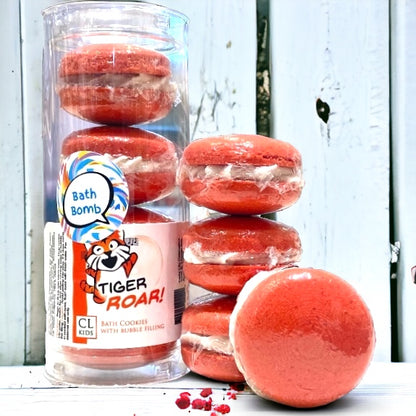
179	297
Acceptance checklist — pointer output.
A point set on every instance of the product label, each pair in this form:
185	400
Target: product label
124	291
92	196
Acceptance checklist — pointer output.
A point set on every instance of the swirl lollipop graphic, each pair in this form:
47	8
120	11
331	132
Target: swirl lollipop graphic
92	197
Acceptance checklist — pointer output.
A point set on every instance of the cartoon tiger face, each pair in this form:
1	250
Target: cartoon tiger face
108	254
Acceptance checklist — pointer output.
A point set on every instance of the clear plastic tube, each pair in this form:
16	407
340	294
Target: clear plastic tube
115	122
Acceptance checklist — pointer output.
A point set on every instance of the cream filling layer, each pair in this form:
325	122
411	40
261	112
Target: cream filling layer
144	81
139	165
220	344
136	82
245	172
271	256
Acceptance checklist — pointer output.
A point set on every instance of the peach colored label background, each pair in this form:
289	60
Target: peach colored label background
130	297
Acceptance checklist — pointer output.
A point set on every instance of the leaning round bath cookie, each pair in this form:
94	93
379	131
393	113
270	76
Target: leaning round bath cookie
241	174
302	337
205	345
116	84
221	254
148	160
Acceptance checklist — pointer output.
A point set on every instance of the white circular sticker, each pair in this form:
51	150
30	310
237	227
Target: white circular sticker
92	196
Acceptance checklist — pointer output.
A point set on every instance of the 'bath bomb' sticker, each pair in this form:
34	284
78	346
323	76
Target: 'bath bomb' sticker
92	196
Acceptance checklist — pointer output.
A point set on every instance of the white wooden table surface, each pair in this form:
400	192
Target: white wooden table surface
386	389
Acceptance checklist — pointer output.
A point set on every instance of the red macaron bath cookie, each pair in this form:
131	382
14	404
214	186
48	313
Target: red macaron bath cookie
302	337
116	83
222	253
148	160
241	174
124	358
205	344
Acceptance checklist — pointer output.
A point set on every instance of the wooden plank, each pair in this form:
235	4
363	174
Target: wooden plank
12	195
338	52
403	21
222	79
32	38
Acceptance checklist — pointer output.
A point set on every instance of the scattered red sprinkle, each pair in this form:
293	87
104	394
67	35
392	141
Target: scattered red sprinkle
183	402
232	395
206	392
222	408
206	403
198	404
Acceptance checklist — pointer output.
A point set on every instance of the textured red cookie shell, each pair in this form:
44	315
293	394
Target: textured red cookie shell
148	160
116	84
302	337
241	174
221	254
115	58
124	358
205	345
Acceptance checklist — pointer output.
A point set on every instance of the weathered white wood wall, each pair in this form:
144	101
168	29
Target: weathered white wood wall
12	192
334	50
